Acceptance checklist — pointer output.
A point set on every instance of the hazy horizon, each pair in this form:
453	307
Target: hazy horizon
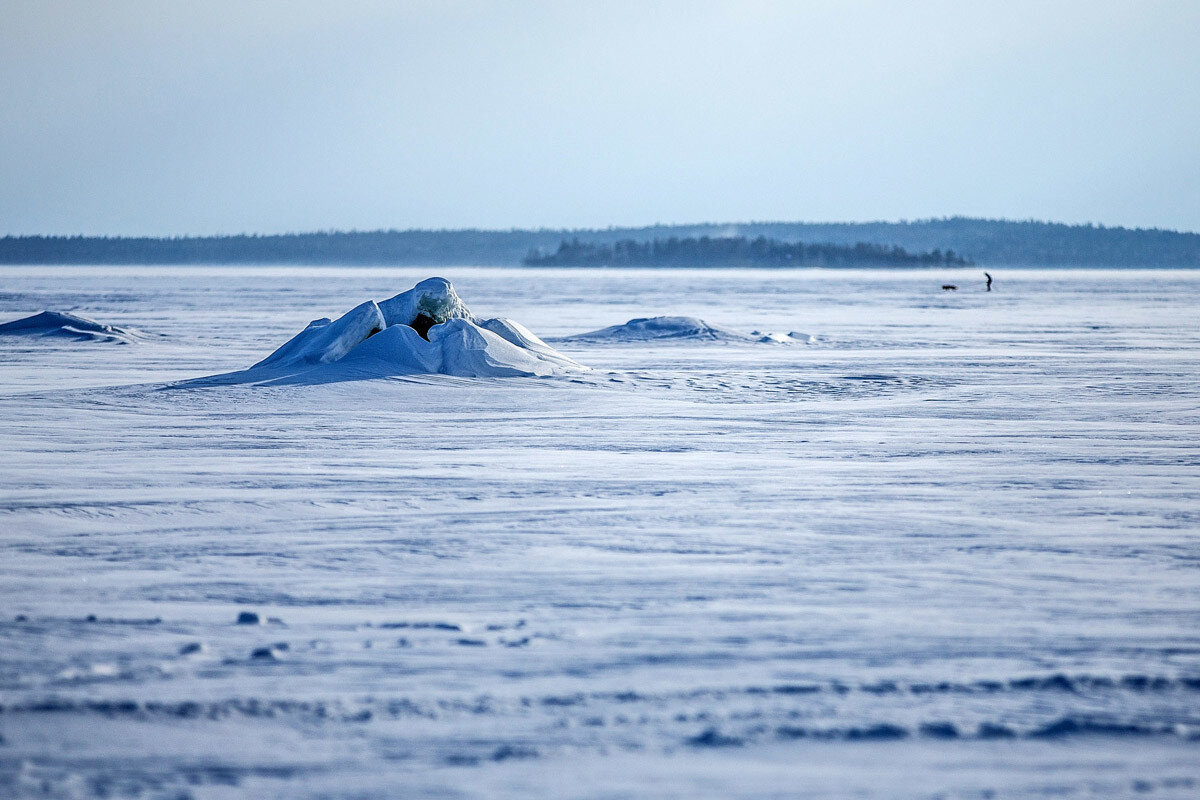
733	226
141	118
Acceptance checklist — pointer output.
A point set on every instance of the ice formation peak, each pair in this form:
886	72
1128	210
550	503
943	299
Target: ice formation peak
431	302
425	330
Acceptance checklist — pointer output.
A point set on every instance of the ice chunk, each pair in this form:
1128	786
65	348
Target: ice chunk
57	323
324	341
792	337
775	338
433	298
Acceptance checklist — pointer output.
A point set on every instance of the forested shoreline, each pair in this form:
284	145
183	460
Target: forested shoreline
735	251
983	242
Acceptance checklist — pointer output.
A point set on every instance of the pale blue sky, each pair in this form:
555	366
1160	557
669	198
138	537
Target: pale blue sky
222	117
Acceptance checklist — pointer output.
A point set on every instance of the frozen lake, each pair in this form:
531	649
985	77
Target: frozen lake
950	548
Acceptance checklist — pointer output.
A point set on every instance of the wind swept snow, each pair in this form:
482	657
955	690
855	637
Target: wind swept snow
426	330
952	551
60	324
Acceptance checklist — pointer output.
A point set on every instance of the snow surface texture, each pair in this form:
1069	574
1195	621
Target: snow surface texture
426	330
62	324
646	329
952	549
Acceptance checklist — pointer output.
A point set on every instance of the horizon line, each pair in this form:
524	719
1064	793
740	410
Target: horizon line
609	228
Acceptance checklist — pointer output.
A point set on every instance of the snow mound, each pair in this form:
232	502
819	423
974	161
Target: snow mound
60	324
650	328
646	329
426	330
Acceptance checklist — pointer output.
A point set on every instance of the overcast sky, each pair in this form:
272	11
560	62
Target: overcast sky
222	117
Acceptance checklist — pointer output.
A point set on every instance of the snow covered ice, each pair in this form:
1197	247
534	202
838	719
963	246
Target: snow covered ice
646	329
64	324
950	547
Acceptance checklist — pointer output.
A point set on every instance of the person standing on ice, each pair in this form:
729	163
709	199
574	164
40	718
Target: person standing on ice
989	277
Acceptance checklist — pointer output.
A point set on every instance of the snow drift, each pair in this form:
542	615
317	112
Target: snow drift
426	330
63	325
647	329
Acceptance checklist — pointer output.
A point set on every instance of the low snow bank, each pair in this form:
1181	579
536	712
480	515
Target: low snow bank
647	329
426	330
56	323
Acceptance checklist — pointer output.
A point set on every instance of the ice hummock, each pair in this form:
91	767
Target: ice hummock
426	330
63	324
645	329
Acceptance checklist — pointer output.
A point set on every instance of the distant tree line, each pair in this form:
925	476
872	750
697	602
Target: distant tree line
986	242
327	247
1020	243
735	251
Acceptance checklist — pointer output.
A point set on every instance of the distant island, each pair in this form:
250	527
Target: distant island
735	251
987	243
